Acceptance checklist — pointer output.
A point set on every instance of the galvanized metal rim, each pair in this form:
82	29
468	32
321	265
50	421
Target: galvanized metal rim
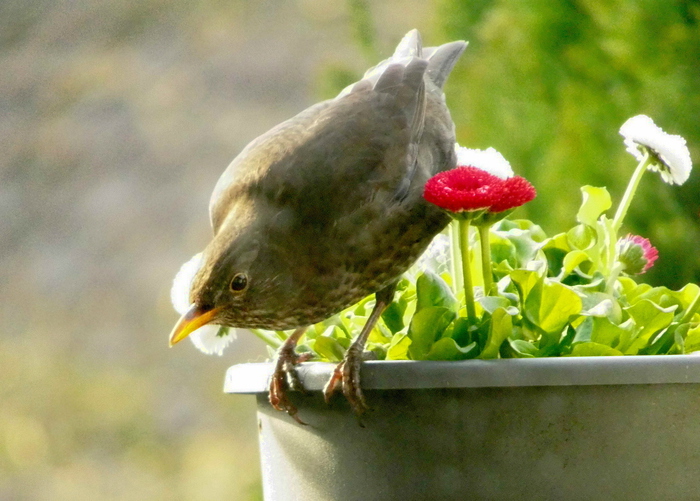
406	374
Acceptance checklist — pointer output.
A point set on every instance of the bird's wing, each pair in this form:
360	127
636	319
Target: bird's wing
334	157
361	147
252	162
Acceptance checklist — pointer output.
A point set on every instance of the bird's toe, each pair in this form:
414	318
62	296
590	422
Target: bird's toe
351	383
284	378
333	382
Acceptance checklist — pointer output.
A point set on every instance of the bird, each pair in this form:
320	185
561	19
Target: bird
326	209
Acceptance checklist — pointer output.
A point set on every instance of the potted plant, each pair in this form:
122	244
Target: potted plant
499	370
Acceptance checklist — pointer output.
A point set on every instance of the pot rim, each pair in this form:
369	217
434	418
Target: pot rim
250	378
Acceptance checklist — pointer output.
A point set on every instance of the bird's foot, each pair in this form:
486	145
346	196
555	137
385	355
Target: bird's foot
347	376
284	378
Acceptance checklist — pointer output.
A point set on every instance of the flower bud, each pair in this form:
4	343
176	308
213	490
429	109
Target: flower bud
636	254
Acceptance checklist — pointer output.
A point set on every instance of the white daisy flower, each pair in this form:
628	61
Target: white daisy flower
436	257
489	160
180	292
213	339
209	339
669	153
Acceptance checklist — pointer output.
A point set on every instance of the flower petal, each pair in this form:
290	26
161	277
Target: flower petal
180	291
463	189
669	152
209	339
213	339
518	191
636	254
489	160
436	257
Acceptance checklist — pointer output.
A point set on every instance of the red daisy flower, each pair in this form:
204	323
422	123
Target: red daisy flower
463	189
471	189
518	191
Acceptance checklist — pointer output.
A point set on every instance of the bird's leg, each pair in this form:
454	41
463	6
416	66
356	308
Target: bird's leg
347	372
285	375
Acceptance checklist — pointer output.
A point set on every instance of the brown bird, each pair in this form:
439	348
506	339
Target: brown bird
327	208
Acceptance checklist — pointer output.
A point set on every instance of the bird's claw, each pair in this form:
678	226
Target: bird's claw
347	375
285	378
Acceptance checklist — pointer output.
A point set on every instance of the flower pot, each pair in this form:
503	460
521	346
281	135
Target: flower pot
553	428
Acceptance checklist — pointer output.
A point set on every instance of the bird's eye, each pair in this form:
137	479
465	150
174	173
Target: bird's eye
239	282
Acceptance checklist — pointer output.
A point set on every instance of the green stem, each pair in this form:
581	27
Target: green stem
692	309
273	341
629	192
467	269
614	274
455	257
484	232
622	210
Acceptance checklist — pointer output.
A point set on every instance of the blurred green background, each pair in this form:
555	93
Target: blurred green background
116	119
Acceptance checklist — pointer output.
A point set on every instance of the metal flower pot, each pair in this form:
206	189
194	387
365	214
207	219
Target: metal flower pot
590	428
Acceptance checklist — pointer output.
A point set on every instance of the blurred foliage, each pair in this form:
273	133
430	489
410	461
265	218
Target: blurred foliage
549	82
361	18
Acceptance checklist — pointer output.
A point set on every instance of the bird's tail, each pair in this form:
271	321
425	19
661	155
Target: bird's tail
440	59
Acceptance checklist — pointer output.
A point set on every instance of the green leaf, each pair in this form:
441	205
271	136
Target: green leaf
583	331
586	284
595	202
535	230
379	350
555	260
393	316
525	281
572	260
328	348
379	334
601	304
461	331
559	241
582	237
564	345
502	250
691	343
598	330
492	303
447	349
500	328
525	246
593	350
687	294
398	347
551	309
360	309
666	297
431	290
663	342
606	332
522	348
631	290
649	319
426	327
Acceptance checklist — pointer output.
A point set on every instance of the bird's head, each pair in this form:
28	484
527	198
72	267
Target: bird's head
233	285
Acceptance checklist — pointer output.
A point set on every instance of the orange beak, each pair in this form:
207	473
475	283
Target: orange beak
195	318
